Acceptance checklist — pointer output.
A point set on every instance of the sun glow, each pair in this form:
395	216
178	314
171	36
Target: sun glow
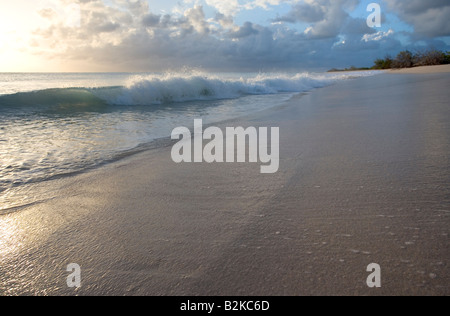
18	20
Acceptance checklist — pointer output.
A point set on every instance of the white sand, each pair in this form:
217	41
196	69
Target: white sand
423	70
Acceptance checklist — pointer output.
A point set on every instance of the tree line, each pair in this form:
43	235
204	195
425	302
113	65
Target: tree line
407	59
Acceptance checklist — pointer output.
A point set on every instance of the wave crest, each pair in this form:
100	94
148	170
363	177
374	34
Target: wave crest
170	88
152	90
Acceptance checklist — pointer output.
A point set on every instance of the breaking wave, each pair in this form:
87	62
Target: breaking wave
166	89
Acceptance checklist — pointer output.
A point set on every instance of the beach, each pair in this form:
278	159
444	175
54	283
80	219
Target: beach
364	178
423	70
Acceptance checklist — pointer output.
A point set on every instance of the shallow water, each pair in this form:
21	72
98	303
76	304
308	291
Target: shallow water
58	124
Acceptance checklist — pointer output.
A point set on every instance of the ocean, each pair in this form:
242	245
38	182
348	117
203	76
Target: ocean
54	125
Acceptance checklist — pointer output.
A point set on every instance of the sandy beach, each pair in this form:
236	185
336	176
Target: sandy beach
364	178
423	70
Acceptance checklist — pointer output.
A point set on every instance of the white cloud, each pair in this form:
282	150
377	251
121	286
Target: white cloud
232	7
265	4
226	7
377	36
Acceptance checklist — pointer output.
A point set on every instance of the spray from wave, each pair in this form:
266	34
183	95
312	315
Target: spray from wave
173	88
152	90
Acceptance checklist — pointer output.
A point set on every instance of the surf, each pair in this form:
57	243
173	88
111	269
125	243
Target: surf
157	89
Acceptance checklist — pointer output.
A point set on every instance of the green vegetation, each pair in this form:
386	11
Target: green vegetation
447	58
407	59
385	63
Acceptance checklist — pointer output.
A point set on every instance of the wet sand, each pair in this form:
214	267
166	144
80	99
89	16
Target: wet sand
364	178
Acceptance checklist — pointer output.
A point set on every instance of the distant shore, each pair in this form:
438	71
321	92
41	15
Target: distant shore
350	70
423	70
413	70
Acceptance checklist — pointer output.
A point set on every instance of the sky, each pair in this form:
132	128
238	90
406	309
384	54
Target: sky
212	35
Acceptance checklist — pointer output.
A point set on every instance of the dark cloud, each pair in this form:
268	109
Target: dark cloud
303	12
430	18
151	20
247	29
225	21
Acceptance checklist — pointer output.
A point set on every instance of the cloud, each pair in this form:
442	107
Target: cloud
430	18
227	7
265	4
305	12
151	20
377	36
246	30
226	21
327	17
196	19
232	7
127	36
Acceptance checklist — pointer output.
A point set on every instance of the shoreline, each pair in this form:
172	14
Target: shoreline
422	70
363	179
412	70
158	143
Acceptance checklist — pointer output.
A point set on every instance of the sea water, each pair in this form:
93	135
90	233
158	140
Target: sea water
53	125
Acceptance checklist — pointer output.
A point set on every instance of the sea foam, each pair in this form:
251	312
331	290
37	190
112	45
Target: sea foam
160	89
169	88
